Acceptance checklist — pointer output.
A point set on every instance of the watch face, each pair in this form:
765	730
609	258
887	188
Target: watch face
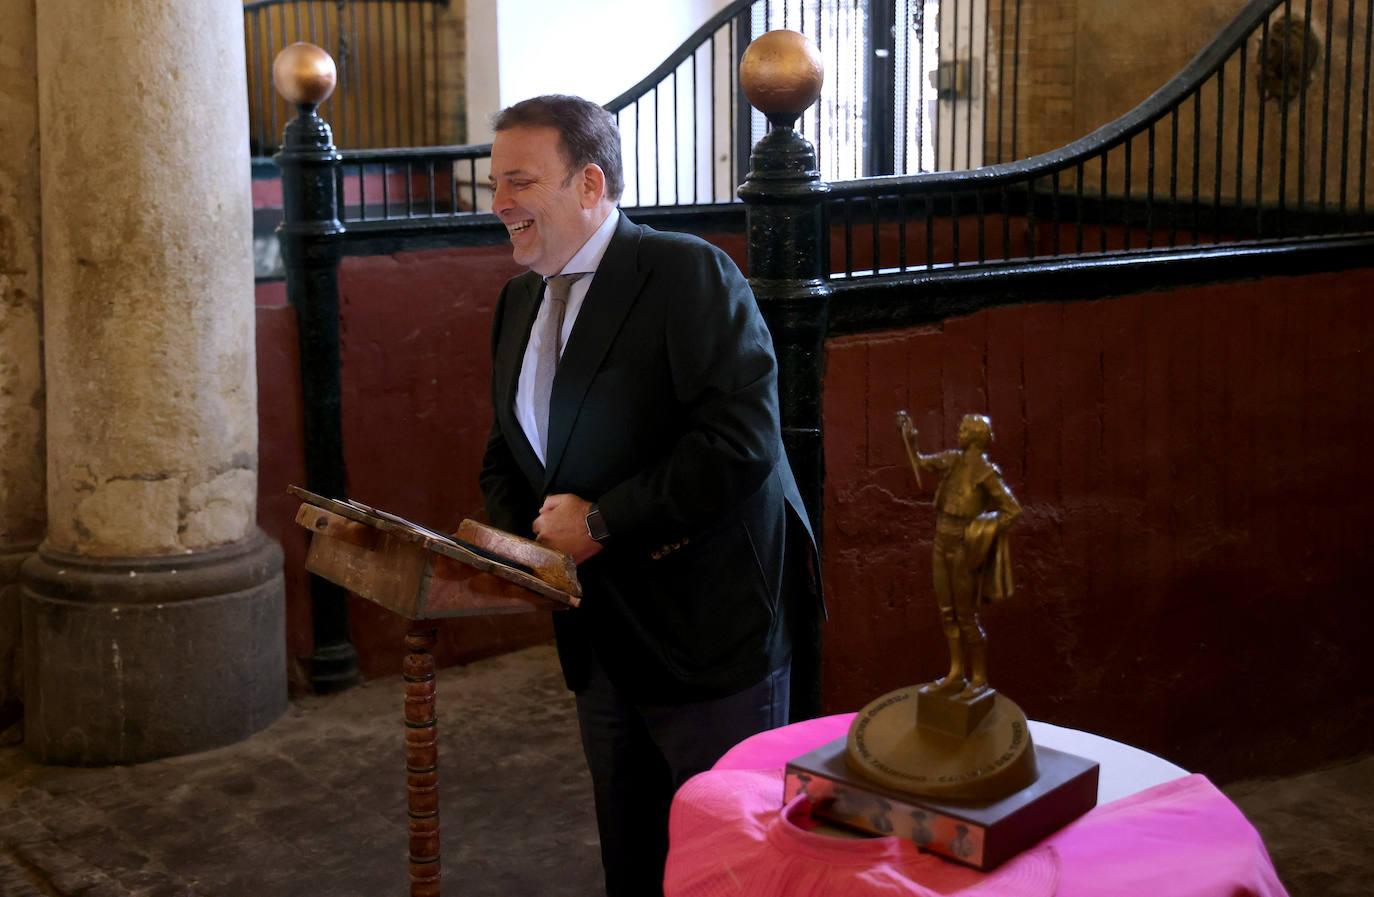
596	527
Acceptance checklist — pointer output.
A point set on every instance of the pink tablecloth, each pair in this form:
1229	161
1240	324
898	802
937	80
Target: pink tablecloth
728	836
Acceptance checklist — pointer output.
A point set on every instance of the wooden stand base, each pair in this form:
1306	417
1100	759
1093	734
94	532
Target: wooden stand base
979	834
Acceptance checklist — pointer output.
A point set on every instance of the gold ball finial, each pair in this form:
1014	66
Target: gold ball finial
303	73
782	73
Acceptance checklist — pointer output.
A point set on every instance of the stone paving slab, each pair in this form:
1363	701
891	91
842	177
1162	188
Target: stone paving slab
315	804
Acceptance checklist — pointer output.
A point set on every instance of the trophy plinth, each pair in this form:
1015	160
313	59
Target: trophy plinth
925	743
981	834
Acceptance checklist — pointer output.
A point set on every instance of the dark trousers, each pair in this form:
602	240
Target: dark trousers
639	754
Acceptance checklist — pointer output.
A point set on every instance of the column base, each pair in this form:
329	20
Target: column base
132	659
11	707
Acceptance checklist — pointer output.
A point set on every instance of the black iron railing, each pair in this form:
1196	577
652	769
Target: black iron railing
390	58
912	85
1264	135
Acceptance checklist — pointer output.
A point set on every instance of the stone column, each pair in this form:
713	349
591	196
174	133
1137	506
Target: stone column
153	613
21	354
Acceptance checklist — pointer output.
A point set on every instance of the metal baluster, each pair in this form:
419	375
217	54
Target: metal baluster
1283	124
1150	191
1240	140
1173	176
1345	114
696	128
954	92
1054	211
1006	223
1364	114
901	231
921	86
1016	81
982	237
1197	155
362	193
1102	199
877	233
271	107
930	232
1126	214
677	165
356	135
954	227
1302	108
937	118
848	239
983	87
1216	173
1001	71
1078	210
1259	133
1326	110
968	100
263	94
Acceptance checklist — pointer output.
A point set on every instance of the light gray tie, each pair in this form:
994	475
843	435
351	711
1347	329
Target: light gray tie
550	347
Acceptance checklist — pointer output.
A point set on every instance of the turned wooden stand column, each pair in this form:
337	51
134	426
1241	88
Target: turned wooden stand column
422	759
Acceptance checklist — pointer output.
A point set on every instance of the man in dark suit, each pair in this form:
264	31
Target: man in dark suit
656	462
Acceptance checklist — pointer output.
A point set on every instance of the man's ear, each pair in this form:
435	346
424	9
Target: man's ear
593	185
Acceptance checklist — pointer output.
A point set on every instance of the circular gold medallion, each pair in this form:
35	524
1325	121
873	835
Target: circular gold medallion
889	745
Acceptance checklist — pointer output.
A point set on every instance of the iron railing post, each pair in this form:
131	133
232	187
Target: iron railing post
788	256
788	251
311	238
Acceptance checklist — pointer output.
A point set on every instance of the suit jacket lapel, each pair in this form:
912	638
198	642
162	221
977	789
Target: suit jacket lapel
612	293
524	297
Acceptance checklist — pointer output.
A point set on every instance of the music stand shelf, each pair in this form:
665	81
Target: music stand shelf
424	576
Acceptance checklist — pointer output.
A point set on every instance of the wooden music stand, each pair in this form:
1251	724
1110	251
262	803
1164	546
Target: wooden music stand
424	576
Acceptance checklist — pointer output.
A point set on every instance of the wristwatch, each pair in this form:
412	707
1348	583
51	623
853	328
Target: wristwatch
596	525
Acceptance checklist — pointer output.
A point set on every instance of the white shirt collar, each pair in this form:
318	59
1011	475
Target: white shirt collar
588	258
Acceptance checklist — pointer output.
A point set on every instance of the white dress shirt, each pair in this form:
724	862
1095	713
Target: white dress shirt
585	260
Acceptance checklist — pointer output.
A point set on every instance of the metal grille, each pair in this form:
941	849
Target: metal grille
388	57
1263	136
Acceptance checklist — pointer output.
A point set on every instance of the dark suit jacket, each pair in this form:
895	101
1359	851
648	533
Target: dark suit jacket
665	412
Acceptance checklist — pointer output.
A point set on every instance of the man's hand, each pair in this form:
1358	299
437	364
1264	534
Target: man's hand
562	524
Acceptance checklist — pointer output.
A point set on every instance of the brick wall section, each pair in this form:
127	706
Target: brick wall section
451	68
1044	99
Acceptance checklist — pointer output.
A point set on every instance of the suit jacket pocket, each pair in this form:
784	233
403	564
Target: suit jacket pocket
710	606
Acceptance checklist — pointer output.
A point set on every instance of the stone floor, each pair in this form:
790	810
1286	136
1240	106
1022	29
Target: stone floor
315	805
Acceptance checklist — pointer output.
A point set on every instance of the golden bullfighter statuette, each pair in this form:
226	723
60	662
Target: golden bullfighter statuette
972	563
955	737
949	764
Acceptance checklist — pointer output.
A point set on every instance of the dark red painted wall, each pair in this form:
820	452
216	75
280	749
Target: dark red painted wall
1190	563
413	342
